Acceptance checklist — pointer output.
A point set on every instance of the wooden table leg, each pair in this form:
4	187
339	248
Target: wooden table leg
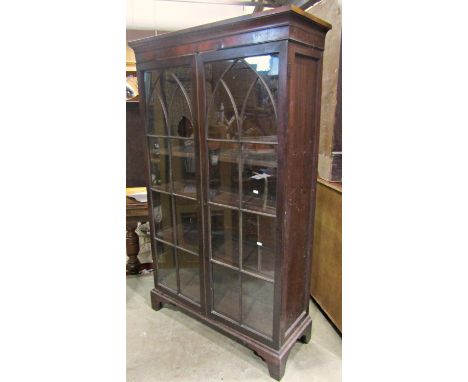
133	247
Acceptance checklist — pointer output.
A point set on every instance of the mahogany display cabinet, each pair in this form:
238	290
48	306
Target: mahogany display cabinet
232	113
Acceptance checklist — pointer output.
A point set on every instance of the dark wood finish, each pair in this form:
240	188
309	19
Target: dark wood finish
136	160
297	39
134	34
136	212
299	179
325	286
133	247
273	25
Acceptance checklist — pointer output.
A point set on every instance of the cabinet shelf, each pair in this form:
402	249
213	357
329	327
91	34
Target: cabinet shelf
264	141
250	157
249	204
175	137
244	271
182	190
174	153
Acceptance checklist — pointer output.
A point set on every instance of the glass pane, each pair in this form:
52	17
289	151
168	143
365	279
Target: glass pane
259	244
226	291
223	159
167	273
189	275
225	235
177	85
259	108
169	95
184	167
187	223
162	213
155	114
221	116
259	177
159	162
242	92
257	304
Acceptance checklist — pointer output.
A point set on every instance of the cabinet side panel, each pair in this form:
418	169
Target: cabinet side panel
299	183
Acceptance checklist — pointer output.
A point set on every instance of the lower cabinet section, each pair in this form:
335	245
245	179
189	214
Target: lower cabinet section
243	298
178	271
257	304
189	275
274	358
226	292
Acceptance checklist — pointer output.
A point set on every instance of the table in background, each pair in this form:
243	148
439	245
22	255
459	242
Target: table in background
136	212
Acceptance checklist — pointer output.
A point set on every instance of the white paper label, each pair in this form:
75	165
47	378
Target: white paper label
258	176
259	243
255	192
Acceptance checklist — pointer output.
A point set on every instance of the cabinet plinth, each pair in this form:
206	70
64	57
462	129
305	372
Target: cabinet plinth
232	112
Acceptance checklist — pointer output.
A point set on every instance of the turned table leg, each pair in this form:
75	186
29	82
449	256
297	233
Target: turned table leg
133	247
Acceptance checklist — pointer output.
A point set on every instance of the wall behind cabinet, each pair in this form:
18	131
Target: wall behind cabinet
329	165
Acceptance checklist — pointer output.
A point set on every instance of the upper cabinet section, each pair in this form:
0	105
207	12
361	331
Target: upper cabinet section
284	23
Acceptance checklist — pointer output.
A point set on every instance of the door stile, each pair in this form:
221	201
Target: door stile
198	128
283	100
142	107
200	108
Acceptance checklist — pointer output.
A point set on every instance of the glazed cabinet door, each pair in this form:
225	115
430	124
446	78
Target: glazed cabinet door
241	91
171	135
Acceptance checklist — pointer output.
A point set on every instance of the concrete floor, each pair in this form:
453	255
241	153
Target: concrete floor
170	346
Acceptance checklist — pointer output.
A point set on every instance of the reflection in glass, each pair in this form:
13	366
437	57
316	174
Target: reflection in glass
242	98
187	223
223	159
184	167
259	244
226	291
259	177
169	99
162	213
257	304
167	271
155	111
225	235
178	88
159	163
259	115
189	275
